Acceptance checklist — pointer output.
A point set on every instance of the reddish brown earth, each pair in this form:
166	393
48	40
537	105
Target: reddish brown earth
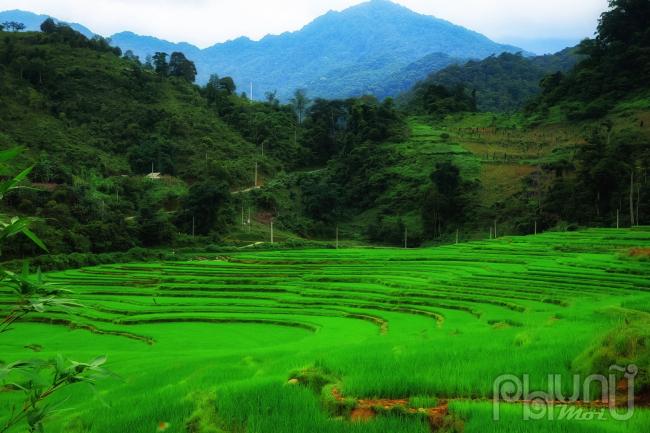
362	414
365	408
640	252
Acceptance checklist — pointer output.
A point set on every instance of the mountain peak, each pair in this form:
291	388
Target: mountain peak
339	54
33	21
378	7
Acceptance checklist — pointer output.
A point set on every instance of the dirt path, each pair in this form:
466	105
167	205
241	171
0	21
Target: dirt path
439	417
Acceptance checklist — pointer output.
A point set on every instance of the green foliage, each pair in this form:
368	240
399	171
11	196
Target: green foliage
447	201
13	26
615	66
205	209
608	180
624	345
436	100
504	82
92	125
36	379
335	128
180	66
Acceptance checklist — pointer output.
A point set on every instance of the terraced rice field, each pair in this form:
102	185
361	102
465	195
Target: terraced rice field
352	340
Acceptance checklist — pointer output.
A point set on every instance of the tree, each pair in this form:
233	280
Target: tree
13	26
439	100
160	64
205	209
148	63
446	200
271	98
155	227
625	22
49	26
213	89
300	102
157	151
21	64
129	55
180	66
228	84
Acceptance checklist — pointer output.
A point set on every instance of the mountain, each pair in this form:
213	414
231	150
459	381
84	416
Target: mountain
407	77
339	54
33	21
542	46
143	46
502	83
375	40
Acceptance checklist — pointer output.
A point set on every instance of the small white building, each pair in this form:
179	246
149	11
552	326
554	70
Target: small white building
154	176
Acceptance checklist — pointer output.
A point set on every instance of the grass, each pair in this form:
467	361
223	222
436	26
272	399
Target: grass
258	341
497	150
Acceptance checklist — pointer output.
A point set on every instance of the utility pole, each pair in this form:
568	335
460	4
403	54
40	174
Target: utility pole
632	197
152	168
535	227
638	202
406	238
337	236
271	230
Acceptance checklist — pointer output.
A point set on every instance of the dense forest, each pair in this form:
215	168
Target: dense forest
130	152
504	82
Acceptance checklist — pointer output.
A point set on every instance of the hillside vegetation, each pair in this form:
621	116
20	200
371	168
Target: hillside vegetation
94	125
504	82
95	122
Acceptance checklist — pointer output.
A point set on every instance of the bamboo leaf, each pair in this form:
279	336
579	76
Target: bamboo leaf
31	235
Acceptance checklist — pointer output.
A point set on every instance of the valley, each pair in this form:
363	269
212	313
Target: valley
382	222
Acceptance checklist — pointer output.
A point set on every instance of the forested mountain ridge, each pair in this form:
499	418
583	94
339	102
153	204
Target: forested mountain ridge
32	21
502	83
94	124
615	67
375	40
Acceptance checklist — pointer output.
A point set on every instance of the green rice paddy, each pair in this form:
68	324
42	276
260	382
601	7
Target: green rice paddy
290	341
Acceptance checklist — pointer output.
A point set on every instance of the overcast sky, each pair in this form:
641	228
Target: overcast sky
205	22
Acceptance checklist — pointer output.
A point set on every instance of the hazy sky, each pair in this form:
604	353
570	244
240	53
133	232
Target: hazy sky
205	22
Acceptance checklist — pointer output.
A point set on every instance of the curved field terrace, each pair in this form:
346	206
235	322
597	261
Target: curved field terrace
353	340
